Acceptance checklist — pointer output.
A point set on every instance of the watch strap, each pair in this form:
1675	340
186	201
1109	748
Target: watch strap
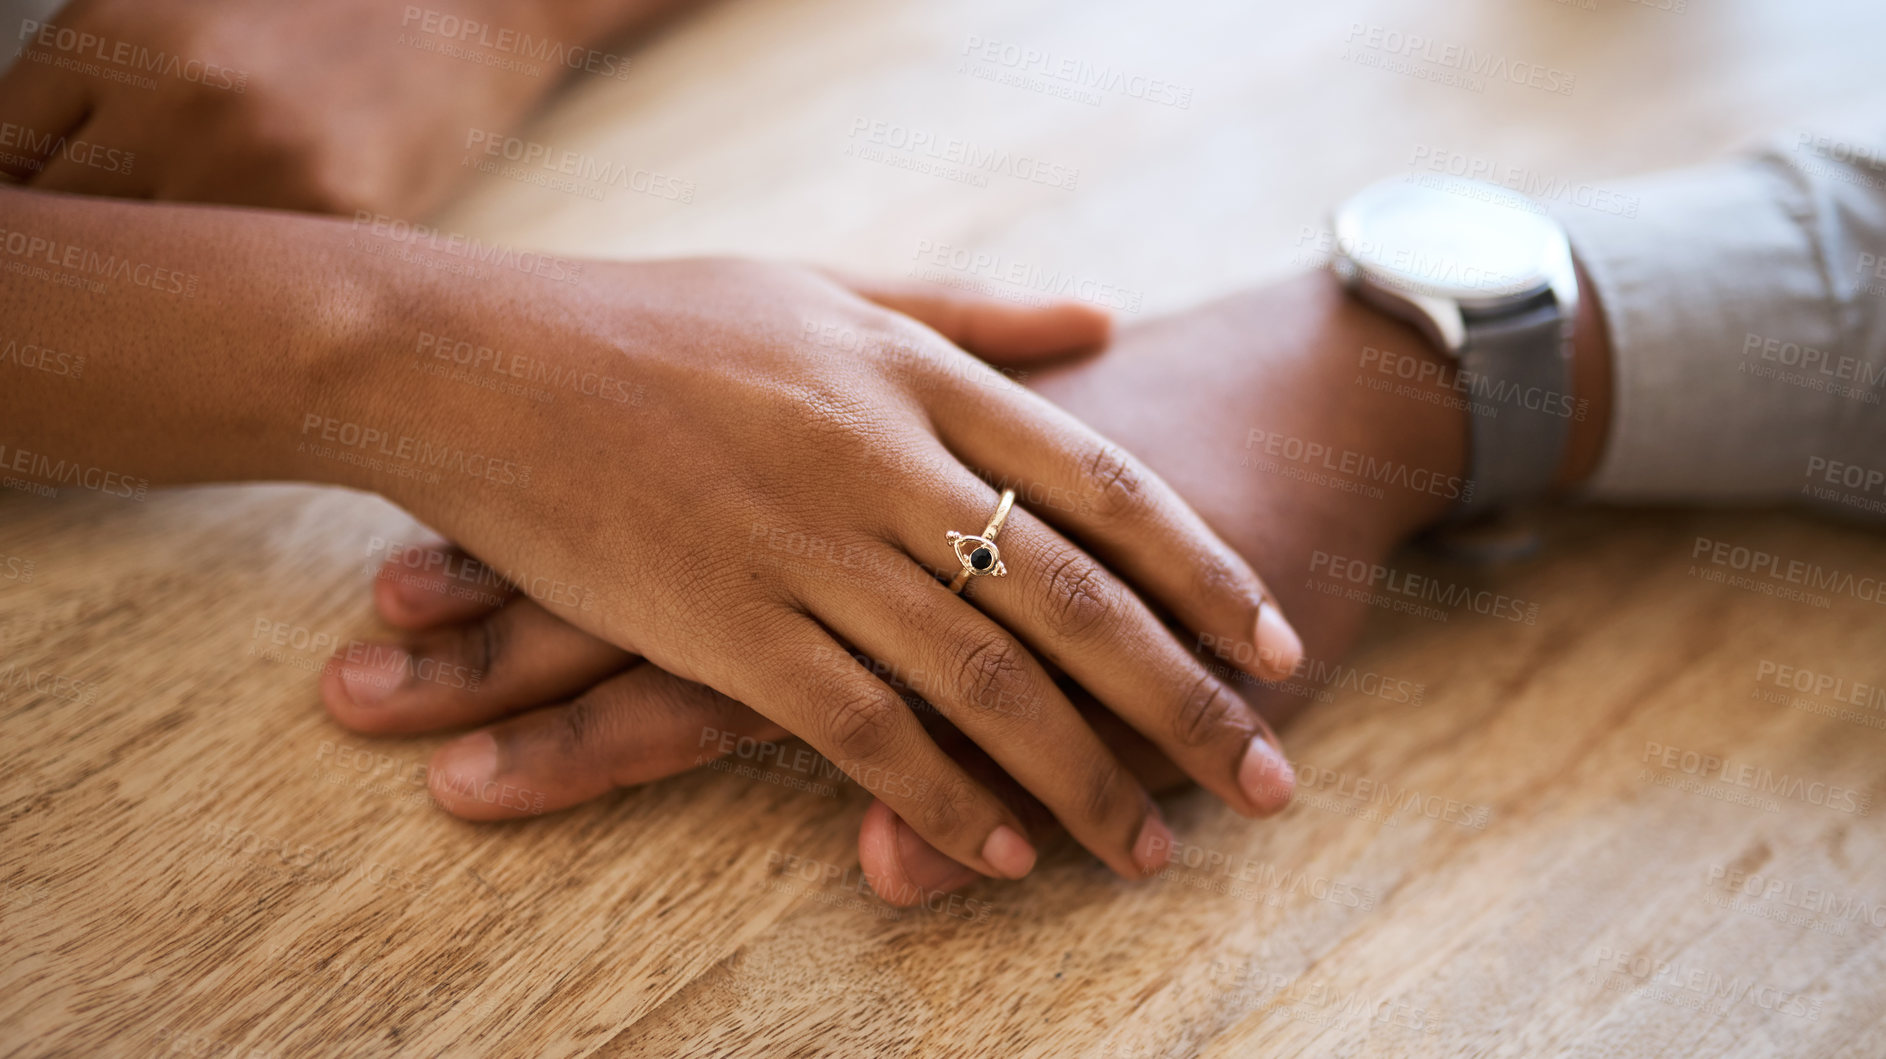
1518	376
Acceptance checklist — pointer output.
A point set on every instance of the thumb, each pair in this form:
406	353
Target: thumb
999	332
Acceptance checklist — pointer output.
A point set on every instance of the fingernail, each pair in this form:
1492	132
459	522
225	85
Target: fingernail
1008	853
467	763
925	867
370	681
1265	776
1153	848
1279	648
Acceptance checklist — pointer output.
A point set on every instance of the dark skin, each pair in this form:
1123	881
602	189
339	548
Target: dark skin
336	107
1184	392
311	127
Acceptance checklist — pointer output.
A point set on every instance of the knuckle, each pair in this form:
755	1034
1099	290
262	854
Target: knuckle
1079	598
1206	712
992	673
483	645
1104	793
1220	576
1115	484
580	725
943	811
861	726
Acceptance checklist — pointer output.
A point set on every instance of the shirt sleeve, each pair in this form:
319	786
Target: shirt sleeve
1746	303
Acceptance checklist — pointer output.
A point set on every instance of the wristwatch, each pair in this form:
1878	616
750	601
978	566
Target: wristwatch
1488	277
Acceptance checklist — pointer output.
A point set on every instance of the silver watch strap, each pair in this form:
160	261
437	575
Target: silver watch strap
1519	376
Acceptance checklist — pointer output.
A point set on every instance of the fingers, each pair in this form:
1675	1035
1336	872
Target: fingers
987	684
45	106
93	160
1087	622
806	682
1000	332
1104	498
75	178
1076	614
516	657
425	586
637	727
905	870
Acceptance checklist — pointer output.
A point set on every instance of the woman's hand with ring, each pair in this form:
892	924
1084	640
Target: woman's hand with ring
776	495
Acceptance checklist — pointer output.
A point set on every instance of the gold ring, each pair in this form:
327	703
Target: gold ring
978	554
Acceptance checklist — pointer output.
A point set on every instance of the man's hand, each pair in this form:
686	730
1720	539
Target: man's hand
334	106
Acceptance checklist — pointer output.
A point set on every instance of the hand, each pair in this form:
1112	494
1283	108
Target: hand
334	106
1186	393
751	434
1295	372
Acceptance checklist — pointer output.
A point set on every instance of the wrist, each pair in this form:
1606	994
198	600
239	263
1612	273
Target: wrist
352	402
1590	375
1404	399
1425	414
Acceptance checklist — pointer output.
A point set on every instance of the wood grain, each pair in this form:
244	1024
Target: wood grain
197	861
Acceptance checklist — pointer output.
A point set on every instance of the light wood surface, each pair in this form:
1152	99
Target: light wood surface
195	860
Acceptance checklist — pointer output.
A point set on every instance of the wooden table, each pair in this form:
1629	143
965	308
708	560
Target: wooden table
1619	830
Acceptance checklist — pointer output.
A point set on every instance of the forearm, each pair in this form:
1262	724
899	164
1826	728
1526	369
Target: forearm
1748	334
180	344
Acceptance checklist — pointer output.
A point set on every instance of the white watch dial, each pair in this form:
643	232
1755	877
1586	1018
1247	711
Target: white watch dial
1464	241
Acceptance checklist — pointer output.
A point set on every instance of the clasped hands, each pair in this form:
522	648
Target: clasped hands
774	404
750	431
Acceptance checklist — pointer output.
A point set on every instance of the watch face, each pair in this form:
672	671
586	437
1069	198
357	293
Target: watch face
1462	240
